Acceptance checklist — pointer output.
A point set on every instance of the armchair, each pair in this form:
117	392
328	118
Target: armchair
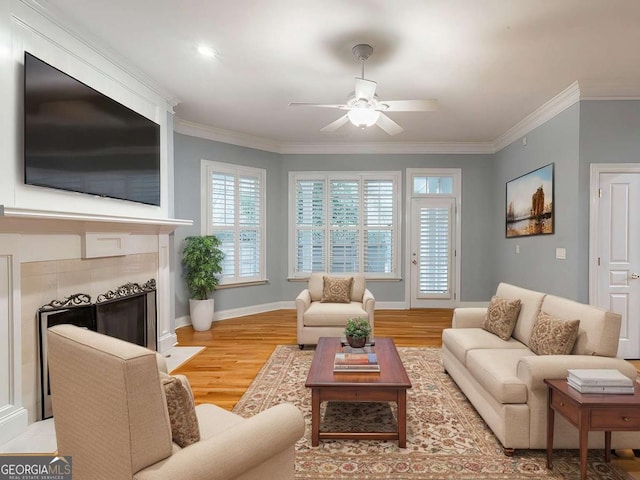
316	319
111	416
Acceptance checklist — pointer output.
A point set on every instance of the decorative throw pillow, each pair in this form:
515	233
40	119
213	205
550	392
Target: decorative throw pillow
336	290
553	336
501	317
182	411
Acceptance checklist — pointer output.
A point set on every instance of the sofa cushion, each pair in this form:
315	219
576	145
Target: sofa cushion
553	336
460	341
531	302
182	412
496	371
332	314
316	285
501	316
599	329
336	290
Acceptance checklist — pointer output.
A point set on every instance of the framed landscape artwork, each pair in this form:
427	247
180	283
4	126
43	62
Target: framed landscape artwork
530	208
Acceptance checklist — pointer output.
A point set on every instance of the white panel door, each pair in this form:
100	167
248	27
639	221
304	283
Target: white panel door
432	252
618	285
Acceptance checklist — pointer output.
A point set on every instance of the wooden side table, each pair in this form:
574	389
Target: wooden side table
593	411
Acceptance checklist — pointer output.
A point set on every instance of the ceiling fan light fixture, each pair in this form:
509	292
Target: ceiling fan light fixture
363	117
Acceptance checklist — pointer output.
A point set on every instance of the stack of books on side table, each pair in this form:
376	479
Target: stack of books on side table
599	380
356	362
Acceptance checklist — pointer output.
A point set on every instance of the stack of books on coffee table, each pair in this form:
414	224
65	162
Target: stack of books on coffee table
356	362
600	380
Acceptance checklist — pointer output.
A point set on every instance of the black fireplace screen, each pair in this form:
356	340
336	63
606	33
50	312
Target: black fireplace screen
127	313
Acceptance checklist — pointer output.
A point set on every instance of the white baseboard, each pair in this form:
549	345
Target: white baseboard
13	424
290	305
166	342
253	309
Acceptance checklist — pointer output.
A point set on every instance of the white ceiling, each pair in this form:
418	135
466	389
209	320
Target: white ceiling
490	63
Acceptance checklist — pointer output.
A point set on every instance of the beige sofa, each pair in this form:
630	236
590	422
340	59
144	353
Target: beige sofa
504	380
111	416
317	319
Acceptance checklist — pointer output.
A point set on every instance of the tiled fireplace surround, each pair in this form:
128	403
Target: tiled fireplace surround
44	281
50	259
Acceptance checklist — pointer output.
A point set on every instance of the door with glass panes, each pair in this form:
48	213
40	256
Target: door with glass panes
432	230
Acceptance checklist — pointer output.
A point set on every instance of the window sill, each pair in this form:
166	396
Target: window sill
224	286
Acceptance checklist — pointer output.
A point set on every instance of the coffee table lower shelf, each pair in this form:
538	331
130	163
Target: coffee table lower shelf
397	395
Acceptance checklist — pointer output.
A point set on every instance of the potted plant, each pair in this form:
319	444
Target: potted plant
357	330
202	262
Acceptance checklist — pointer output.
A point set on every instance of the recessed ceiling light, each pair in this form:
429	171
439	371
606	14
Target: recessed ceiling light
206	51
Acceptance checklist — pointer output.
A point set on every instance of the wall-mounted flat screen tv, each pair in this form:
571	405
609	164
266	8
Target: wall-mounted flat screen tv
80	140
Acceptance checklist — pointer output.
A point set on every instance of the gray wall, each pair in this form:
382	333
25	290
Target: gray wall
476	177
476	198
189	151
609	133
535	267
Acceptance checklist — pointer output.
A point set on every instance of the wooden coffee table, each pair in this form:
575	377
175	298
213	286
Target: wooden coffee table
590	412
388	385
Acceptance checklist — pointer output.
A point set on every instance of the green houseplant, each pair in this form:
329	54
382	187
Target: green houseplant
357	330
202	262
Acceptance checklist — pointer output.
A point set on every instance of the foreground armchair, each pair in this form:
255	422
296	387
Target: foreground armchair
110	413
319	316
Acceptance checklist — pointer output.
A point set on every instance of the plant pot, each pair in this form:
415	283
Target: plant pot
201	314
356	342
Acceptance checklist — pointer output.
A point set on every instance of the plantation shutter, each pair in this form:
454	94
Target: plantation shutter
236	216
310	213
378	225
223	218
344	251
249	226
435	250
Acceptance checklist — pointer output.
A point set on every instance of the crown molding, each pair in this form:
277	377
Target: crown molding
568	97
80	34
207	132
389	148
556	105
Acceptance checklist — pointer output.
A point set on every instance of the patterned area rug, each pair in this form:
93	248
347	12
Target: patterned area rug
446	438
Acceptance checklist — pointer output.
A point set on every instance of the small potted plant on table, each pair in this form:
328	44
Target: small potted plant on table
356	331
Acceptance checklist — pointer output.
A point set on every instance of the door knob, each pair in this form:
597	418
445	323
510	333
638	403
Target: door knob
634	276
415	262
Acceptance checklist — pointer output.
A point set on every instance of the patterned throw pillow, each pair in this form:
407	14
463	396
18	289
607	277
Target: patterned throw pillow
336	290
553	336
501	317
182	411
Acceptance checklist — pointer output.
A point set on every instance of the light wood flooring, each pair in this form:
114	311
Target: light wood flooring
236	349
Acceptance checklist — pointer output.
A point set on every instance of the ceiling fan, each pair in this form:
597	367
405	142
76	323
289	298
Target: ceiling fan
364	107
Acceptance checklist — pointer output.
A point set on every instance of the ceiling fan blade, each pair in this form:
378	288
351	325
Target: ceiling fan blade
322	105
336	124
388	125
365	88
409	105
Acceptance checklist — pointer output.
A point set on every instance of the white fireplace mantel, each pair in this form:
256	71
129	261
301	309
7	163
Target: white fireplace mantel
22	220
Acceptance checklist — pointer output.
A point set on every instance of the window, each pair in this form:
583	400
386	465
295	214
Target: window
234	211
344	222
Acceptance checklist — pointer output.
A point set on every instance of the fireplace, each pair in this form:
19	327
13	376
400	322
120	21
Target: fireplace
127	313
